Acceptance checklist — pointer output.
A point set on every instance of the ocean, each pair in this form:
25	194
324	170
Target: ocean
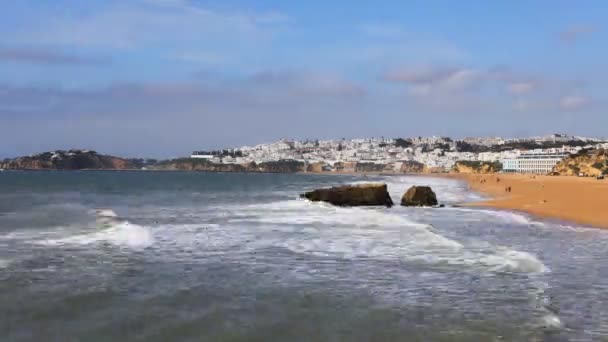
178	256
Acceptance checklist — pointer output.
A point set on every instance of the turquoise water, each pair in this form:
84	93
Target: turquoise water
144	256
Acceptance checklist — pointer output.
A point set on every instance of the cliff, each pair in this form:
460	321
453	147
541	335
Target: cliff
588	163
412	167
465	166
67	160
188	164
369	167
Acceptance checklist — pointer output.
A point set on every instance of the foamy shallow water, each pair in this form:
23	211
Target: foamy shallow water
190	256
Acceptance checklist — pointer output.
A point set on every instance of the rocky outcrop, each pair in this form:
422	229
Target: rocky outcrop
481	167
587	163
67	160
352	195
419	196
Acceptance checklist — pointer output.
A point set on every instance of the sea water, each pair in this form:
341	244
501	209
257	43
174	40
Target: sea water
146	256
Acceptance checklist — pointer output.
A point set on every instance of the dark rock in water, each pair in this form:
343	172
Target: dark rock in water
352	195
419	196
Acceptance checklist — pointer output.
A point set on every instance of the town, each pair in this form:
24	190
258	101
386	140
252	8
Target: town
526	155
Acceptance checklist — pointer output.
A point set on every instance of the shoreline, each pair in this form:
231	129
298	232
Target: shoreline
347	173
577	200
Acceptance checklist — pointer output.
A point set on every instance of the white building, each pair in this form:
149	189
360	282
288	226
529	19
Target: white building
201	155
540	163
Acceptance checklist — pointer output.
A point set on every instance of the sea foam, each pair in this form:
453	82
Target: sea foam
111	230
323	230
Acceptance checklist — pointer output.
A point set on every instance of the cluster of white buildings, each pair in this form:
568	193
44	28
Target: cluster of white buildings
535	162
434	152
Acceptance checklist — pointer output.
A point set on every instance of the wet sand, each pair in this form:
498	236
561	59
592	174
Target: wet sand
576	199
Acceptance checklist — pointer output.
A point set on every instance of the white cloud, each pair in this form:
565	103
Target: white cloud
465	89
425	80
150	22
521	87
280	83
573	102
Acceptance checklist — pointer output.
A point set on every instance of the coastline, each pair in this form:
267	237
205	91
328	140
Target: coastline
580	200
573	199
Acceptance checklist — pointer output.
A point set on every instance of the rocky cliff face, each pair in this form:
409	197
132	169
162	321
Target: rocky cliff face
465	166
588	163
67	160
369	167
412	167
315	167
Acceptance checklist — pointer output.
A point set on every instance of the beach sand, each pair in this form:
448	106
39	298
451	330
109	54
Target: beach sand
576	199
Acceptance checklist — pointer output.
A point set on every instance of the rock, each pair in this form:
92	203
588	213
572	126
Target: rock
352	195
419	196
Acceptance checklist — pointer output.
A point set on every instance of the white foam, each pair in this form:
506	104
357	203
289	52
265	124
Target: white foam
377	233
447	190
508	260
124	234
551	322
105	213
4	263
502	215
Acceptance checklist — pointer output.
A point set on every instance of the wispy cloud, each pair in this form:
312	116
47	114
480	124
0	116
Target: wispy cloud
468	88
383	30
263	106
199	57
573	102
286	88
45	56
521	87
306	83
425	80
574	33
146	22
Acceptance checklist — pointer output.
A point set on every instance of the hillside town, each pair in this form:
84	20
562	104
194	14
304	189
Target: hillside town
537	154
554	154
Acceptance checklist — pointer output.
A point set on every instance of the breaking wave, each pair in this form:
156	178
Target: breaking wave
112	230
4	263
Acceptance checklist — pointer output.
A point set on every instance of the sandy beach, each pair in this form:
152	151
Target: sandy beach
576	199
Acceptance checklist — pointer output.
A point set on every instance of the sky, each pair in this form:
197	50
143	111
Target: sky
160	78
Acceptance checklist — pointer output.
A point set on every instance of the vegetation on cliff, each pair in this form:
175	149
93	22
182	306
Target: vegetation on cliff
466	166
67	160
588	163
189	164
412	166
462	146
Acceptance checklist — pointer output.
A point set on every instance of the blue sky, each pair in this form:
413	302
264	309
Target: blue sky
159	78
